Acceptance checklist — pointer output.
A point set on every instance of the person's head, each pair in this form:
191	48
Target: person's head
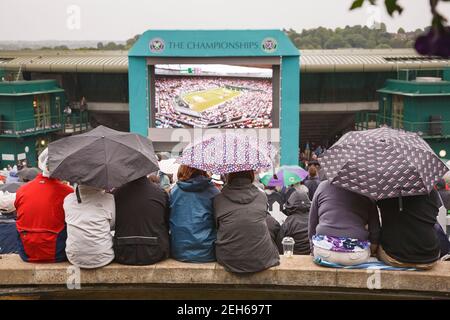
313	168
250	175
154	178
185	173
43	163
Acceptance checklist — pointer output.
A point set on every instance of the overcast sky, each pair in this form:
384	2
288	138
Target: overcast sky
121	19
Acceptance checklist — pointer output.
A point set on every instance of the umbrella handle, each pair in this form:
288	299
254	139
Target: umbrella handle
77	192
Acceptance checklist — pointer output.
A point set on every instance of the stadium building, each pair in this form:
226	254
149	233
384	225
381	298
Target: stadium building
336	86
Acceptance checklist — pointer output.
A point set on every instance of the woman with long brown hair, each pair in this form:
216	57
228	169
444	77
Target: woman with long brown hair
192	228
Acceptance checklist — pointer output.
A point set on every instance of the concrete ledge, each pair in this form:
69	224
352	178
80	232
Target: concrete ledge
296	272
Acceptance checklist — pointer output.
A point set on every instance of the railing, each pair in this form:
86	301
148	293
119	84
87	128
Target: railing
427	129
74	123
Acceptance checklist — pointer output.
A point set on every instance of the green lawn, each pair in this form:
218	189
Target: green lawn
201	100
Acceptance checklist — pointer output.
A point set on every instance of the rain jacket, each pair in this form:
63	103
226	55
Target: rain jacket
191	220
8	234
409	236
244	243
296	224
40	220
89	223
142	223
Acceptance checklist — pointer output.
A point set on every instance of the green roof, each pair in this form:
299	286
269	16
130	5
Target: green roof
23	88
416	88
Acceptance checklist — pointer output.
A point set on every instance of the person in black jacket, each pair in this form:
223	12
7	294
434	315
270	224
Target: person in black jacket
296	224
142	223
408	237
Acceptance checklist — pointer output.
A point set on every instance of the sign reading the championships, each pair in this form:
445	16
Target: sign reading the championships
268	45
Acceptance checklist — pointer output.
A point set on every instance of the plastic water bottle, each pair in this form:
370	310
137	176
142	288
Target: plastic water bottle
288	246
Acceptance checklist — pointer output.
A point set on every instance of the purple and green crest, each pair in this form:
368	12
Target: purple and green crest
157	45
269	45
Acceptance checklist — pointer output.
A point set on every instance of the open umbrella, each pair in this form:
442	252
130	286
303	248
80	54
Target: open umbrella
286	176
102	158
28	174
11	187
228	152
383	163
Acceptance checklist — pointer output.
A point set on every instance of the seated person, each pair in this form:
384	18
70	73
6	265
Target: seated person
337	226
192	228
90	214
296	224
142	223
408	238
40	217
244	243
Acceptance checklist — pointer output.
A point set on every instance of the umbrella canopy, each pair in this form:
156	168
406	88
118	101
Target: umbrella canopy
28	174
102	158
11	187
228	152
383	163
286	176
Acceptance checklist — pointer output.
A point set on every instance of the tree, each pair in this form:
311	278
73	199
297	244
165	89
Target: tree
100	46
383	46
401	31
336	42
436	41
356	40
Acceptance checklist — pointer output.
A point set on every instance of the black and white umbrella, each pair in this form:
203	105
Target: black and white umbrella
383	163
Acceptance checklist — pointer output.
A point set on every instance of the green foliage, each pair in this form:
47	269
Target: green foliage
392	6
352	37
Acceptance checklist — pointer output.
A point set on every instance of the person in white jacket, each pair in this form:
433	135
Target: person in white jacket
90	218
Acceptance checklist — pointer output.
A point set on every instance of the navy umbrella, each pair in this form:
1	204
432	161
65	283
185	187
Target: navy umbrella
102	158
383	163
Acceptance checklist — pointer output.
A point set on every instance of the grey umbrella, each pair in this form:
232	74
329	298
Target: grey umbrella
383	163
11	187
28	174
102	158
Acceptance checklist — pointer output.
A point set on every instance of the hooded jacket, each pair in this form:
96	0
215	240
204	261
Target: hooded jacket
142	229
296	224
89	223
192	229
243	243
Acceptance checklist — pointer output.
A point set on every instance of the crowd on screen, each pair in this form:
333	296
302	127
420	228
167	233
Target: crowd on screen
255	95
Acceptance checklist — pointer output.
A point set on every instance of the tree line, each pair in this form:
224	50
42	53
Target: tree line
353	37
317	38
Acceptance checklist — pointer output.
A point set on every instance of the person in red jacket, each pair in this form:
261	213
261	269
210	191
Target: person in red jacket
40	219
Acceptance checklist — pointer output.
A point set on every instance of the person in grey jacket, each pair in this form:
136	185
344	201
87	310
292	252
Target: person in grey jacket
296	224
340	217
90	217
244	244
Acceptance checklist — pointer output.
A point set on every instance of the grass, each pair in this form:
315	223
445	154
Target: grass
201	100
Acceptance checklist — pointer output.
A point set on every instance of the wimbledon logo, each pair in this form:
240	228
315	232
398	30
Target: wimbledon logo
157	45
269	45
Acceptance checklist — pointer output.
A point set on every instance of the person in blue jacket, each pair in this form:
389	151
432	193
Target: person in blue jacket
192	226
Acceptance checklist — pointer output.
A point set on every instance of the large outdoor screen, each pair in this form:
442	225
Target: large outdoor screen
212	96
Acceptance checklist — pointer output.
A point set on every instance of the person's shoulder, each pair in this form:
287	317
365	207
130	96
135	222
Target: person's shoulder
323	185
65	188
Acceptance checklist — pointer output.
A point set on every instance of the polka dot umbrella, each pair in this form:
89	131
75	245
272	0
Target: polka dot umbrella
229	152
